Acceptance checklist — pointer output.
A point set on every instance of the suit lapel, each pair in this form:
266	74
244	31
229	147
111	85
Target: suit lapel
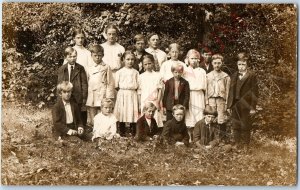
244	79
73	112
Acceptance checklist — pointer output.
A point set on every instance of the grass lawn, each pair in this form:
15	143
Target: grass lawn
31	157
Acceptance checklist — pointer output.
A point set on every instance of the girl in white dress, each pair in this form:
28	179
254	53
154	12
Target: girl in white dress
100	83
150	85
112	49
126	83
196	77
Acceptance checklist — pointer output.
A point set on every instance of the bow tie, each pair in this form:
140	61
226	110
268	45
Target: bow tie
241	74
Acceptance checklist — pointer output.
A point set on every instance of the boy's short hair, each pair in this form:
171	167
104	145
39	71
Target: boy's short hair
206	50
68	51
210	111
64	86
174	46
148	56
151	34
139	37
96	49
111	26
243	56
178	107
149	105
107	101
177	67
217	56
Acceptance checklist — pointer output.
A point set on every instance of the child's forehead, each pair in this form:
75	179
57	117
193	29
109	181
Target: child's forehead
97	53
209	115
178	111
111	30
217	60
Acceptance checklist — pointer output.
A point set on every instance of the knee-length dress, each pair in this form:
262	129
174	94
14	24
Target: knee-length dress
197	80
149	85
126	108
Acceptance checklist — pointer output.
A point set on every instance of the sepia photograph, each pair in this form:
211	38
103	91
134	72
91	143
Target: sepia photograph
149	94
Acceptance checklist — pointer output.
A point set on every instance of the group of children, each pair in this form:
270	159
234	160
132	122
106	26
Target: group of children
103	91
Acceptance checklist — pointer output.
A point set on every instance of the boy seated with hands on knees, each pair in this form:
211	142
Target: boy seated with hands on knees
175	130
66	114
206	131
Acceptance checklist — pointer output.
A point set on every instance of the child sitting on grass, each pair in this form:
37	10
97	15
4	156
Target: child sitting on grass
175	130
105	123
146	125
206	132
66	114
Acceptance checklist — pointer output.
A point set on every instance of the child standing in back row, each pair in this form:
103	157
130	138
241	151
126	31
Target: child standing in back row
100	83
159	55
112	49
196	77
126	83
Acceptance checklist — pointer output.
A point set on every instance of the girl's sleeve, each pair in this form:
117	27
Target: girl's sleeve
117	78
203	80
110	89
139	91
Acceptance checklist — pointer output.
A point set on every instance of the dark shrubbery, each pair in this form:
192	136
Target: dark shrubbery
35	34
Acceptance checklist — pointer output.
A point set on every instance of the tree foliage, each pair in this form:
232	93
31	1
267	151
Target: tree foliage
35	35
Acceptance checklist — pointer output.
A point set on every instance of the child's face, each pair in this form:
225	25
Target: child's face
97	57
106	109
206	57
242	66
148	64
79	39
217	63
129	60
209	118
140	45
66	95
178	115
177	74
174	53
111	35
193	60
149	113
71	58
154	41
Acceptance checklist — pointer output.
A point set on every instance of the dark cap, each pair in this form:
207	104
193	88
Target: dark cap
210	111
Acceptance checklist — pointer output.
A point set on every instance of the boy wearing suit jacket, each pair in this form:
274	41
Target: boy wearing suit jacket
177	91
146	126
242	100
66	113
75	73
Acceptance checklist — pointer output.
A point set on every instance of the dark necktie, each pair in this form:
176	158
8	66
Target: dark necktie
72	72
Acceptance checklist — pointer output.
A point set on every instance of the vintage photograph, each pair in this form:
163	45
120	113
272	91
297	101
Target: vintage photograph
149	94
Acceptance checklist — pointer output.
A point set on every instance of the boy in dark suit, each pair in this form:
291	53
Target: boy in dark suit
177	91
175	130
146	126
206	132
206	64
242	100
75	73
66	114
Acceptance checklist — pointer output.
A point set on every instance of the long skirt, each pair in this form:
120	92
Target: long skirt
196	108
126	108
